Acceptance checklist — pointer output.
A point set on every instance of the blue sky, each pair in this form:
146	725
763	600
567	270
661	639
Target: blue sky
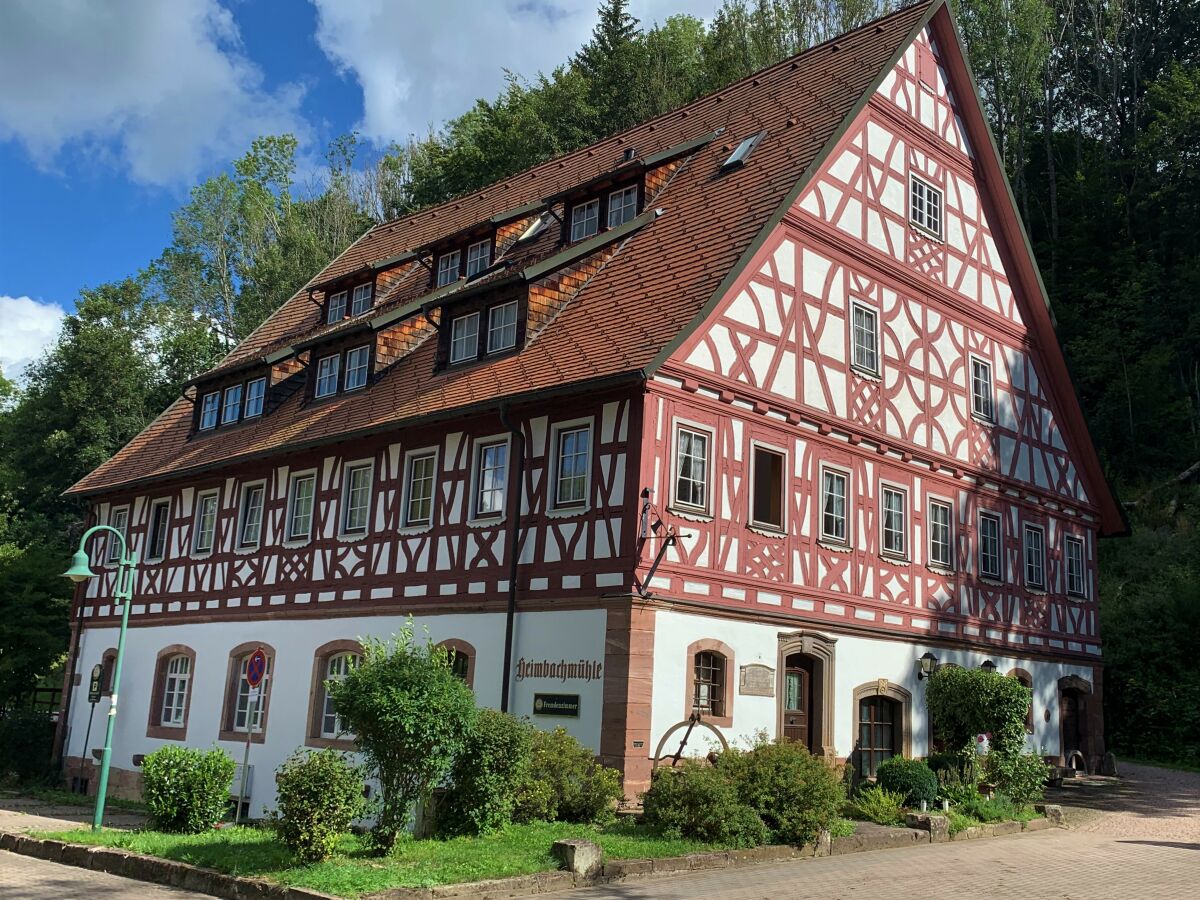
109	112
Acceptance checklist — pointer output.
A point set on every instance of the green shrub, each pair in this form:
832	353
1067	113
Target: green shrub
411	717
26	743
964	703
878	805
948	762
1020	776
956	786
998	809
186	790
487	775
841	828
319	795
564	783
796	794
699	802
910	777
959	820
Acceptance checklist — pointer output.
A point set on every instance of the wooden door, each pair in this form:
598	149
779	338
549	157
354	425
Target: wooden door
1074	736
797	705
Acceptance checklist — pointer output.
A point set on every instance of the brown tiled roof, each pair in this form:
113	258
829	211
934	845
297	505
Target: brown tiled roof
636	306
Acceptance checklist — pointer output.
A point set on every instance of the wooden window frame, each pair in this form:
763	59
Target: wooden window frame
486	255
922	222
215	396
558	432
213	494
902	554
445	270
243	496
344	507
112	551
1069	541
294	477
474	354
857	306
153	555
410	459
576	208
354	298
947	505
998	575
366	369
901	727
492	329
154	726
316	695
987	416
710	645
233	677
262	400
1028	528
706	432
757	447
332	303
847	479
621	191
240	387
481	446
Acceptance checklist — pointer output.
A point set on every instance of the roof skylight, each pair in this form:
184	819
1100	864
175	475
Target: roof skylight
738	157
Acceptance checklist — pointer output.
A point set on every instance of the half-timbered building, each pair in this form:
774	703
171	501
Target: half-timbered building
749	412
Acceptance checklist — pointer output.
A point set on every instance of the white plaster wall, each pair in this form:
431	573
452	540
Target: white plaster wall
569	635
858	660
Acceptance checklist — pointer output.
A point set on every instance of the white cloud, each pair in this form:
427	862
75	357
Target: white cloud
27	327
419	64
162	89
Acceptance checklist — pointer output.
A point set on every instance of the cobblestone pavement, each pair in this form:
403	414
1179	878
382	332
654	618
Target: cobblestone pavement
25	878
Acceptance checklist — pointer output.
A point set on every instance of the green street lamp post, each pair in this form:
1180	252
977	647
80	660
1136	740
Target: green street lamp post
79	572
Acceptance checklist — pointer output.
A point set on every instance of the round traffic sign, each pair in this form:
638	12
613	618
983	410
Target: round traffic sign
256	668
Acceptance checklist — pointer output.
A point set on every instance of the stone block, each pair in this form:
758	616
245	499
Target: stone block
1035	825
620	868
1052	811
937	826
43	848
822	845
1002	828
670	864
578	856
76	855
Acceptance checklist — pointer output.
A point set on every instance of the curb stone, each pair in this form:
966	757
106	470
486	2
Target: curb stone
140	867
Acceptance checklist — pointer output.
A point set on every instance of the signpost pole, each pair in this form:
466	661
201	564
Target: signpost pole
256	668
94	686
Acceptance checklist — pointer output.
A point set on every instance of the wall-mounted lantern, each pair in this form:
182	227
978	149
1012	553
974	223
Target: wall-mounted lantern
928	665
988	666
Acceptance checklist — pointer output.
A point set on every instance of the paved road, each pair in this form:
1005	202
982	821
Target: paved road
1133	839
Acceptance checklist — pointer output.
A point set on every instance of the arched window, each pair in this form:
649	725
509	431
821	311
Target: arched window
108	666
246	709
710	685
1026	679
462	659
331	662
171	694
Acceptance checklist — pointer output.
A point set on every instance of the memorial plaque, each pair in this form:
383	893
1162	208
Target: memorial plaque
757	680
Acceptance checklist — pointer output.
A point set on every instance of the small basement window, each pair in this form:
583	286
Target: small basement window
738	157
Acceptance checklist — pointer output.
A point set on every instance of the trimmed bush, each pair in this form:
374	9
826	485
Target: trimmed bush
186	790
564	783
879	806
910	777
319	795
796	794
699	802
487	775
1021	776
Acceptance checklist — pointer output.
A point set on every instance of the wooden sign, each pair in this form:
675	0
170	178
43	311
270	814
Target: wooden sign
756	680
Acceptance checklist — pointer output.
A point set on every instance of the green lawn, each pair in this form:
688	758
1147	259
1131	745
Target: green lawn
520	850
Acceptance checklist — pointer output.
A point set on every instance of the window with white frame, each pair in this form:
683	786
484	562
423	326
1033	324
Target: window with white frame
982	404
894	503
940	534
447	270
502	327
177	677
356	499
361	300
336	308
1076	585
250	529
1035	556
422	469
622	206
327	376
585	220
766	500
256	393
691	465
571	467
118	519
301	494
464	338
210	408
160	526
249	711
336	669
232	410
479	257
358	362
491	465
206	523
865	338
925	206
834	485
989	545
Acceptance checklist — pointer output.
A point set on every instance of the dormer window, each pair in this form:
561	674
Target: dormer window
464	338
327	376
447	270
622	206
362	299
585	220
232	410
256	393
210	407
336	308
357	363
502	327
479	257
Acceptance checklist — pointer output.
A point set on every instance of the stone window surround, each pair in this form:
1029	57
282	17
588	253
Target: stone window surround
229	704
154	726
468	650
711	645
316	695
882	687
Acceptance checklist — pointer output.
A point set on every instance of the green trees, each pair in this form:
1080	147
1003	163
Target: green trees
411	717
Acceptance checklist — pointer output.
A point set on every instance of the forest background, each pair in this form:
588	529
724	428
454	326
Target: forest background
1095	106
